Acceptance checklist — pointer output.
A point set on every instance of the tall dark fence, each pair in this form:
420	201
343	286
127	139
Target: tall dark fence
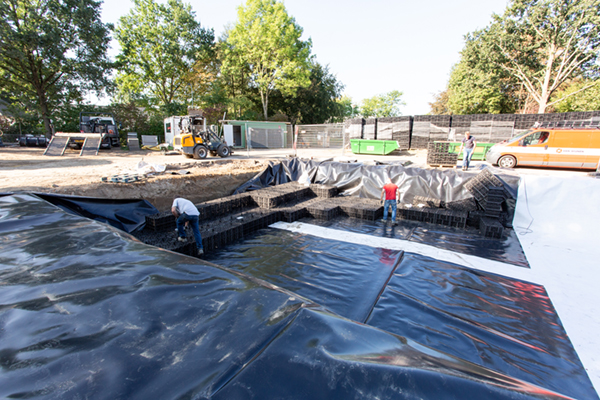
416	132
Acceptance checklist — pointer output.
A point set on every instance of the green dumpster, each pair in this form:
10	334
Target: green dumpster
480	150
378	147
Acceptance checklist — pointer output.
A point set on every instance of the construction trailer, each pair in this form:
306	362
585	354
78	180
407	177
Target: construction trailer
172	128
257	134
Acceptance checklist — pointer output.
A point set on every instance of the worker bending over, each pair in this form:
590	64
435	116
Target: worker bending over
186	213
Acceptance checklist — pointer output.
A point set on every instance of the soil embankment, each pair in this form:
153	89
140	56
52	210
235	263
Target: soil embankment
27	169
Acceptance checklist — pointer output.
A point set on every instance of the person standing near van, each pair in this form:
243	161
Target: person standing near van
186	213
468	144
391	193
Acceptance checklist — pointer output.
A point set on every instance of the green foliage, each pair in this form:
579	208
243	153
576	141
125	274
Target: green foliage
439	106
264	47
51	53
579	96
384	105
537	45
314	104
346	109
164	53
5	124
235	81
476	86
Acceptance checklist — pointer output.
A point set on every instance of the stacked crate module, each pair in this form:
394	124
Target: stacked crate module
503	126
492	128
429	128
460	124
438	155
524	122
370	129
354	128
439	127
420	132
395	128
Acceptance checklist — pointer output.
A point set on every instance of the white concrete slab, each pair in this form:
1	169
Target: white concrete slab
557	221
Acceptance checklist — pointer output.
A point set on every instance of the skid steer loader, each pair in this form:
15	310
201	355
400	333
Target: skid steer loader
197	141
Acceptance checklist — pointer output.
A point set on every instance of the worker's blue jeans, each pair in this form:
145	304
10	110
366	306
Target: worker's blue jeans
193	221
467	154
388	204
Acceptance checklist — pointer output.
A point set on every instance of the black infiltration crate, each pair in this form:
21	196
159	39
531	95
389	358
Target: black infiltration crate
324	191
161	221
323	211
231	218
491	228
368	209
467	204
458	219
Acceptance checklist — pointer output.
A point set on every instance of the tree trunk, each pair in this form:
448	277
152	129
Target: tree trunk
264	96
542	104
45	113
545	93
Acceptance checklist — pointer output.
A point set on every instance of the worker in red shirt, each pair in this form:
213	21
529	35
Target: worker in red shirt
392	194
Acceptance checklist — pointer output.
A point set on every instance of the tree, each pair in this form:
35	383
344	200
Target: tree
439	106
384	105
575	99
52	52
544	43
346	109
477	86
162	48
266	40
314	104
235	80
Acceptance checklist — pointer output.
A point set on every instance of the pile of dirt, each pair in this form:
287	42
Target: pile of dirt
27	169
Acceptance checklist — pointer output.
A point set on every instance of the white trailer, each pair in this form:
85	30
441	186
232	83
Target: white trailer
172	128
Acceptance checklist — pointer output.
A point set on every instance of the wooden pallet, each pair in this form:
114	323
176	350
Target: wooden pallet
443	165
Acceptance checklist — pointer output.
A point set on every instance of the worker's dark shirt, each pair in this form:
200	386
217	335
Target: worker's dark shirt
469	143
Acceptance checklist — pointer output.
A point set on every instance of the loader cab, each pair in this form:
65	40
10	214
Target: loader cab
189	129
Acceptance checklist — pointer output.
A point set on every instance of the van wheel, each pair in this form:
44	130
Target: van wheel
200	152
507	162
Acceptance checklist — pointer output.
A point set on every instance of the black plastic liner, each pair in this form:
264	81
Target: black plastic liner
125	214
465	241
356	179
335	273
495	322
88	312
277	173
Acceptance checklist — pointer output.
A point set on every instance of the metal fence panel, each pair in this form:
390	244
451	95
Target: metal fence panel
264	138
321	136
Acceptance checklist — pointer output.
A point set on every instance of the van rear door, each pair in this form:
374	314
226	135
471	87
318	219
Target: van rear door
592	155
567	148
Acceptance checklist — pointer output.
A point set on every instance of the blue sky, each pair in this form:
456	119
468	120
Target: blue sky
372	47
